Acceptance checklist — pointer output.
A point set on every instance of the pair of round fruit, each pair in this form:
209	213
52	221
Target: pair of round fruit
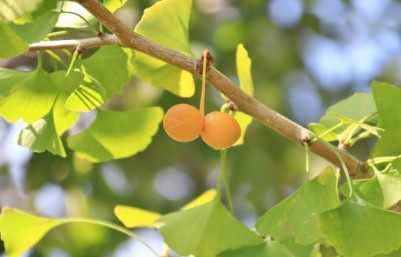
184	123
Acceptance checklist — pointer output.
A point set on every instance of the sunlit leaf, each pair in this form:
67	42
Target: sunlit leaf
387	98
86	97
116	135
244	69
20	231
302	210
204	198
357	230
267	249
68	20
205	231
11	43
27	95
12	9
108	66
166	23
113	5
245	78
133	217
99	84
38	29
44	134
41	136
63	118
359	106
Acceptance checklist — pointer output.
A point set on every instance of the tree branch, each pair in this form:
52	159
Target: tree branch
74	43
244	102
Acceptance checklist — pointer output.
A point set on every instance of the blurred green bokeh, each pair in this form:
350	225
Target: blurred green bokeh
306	55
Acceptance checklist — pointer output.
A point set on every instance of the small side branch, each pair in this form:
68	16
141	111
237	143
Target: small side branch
74	43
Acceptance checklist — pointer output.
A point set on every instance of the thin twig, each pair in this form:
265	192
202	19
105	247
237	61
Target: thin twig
244	102
86	43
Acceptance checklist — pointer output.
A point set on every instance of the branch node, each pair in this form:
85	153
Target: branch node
307	137
80	49
209	61
101	35
343	146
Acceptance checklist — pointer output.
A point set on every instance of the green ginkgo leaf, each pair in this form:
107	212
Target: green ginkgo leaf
27	95
383	190
108	67
68	20
361	230
20	231
64	119
36	30
44	134
359	106
205	230
115	135
98	84
11	43
41	136
302	210
387	101
12	9
166	23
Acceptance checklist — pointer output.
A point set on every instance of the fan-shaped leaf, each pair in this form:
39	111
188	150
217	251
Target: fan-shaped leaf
20	231
358	230
166	23
41	136
12	9
68	20
44	134
387	98
133	217
11	43
116	135
205	231
358	106
36	30
383	190
27	95
302	210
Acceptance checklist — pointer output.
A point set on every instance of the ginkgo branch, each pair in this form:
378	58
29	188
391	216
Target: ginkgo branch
84	43
126	37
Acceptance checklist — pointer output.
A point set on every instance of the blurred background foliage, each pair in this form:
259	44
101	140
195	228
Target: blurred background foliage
306	55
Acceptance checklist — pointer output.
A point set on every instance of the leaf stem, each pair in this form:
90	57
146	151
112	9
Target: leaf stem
111	226
223	179
307	166
345	169
94	31
57	58
74	58
203	92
